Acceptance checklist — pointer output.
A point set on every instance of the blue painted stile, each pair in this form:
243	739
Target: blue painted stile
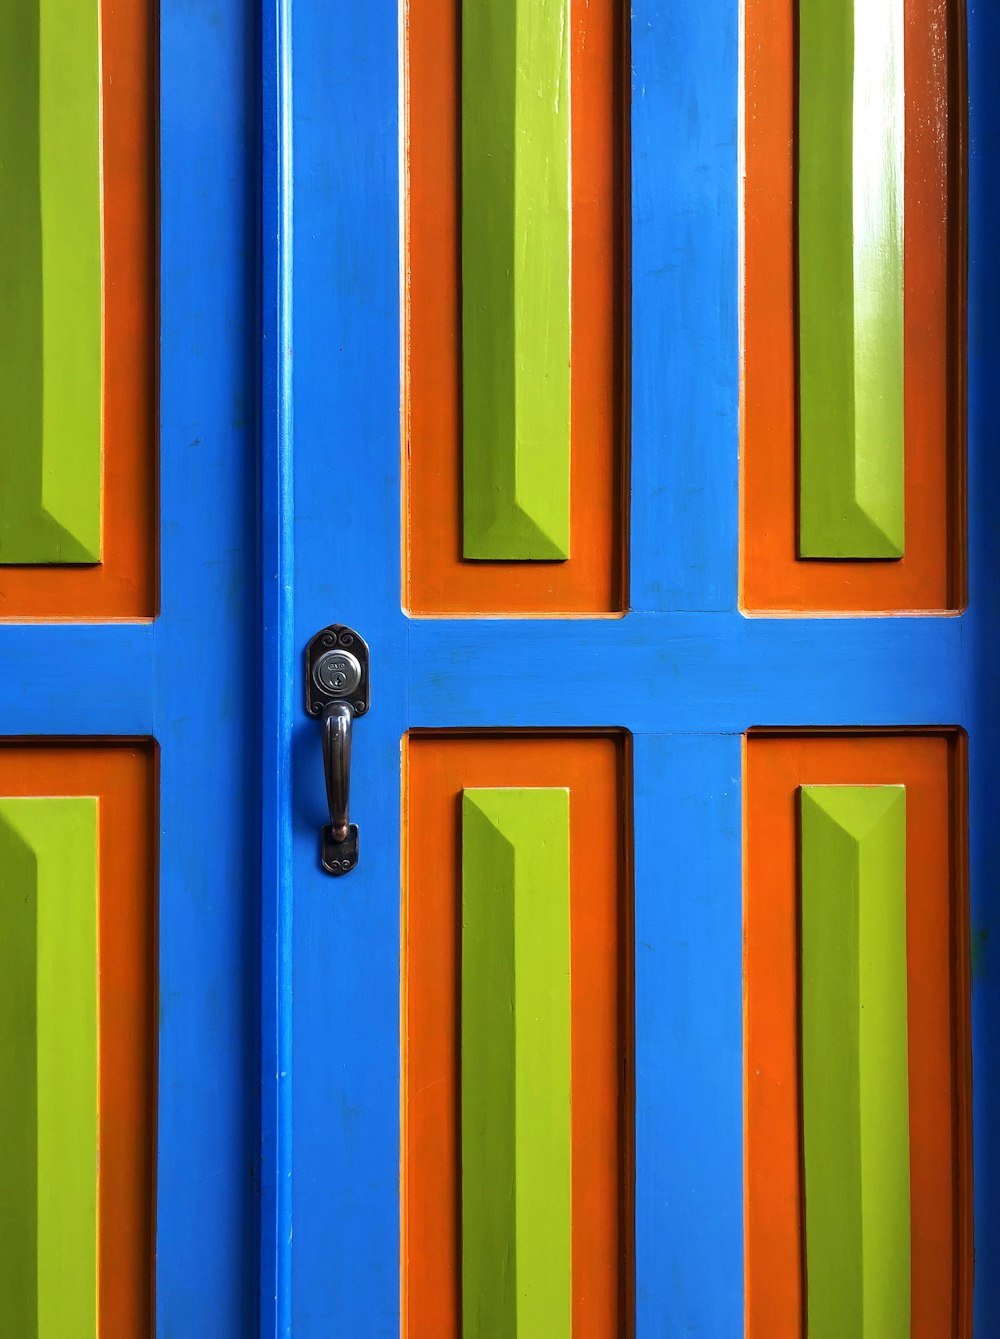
277	681
345	976
982	639
204	688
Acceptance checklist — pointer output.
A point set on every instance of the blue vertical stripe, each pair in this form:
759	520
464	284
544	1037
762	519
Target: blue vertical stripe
688	1036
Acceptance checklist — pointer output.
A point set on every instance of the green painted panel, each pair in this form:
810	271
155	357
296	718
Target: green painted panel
51	287
48	1055
855	1088
850	257
516	1065
489	1225
516	261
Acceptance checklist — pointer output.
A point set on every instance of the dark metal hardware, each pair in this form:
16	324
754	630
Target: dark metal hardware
337	690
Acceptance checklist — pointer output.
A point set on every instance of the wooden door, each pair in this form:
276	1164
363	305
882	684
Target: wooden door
128	663
625	377
629	399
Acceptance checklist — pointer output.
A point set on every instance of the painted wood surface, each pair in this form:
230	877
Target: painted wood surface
931	573
982	322
438	769
850	159
49	1036
209	872
52	289
437	578
855	1104
781	1260
516	1064
45	777
688	663
123	584
688	1020
516	270
151	681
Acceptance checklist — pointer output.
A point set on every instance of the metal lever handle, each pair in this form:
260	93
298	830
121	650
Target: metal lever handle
338	691
337	721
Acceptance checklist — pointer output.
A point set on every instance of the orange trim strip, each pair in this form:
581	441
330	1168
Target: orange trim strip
437	579
931	574
931	766
123	776
124	585
438	768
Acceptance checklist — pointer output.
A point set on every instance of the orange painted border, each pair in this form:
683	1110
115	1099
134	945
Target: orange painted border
123	776
437	767
931	575
932	767
436	579
124	585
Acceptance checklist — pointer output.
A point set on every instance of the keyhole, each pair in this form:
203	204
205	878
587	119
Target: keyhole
337	672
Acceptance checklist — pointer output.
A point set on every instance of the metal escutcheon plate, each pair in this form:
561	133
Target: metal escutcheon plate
340	857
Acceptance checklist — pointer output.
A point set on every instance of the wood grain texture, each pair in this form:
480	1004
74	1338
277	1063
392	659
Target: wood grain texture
112	1172
436	577
930	575
855	1108
516	263
49	1035
123	584
52	289
931	767
516	1063
850	279
438	769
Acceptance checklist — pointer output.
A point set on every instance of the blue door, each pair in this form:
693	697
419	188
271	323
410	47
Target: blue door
497	642
753	763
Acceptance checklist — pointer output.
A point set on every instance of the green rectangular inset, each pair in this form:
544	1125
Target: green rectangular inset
51	282
516	1065
516	260
48	1056
850	258
855	1083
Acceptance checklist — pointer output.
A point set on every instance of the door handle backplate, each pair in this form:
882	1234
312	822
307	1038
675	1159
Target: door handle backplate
338	688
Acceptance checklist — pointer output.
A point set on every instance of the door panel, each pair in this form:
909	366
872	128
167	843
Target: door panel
592	455
77	520
783	1055
784	483
583	779
80	964
684	676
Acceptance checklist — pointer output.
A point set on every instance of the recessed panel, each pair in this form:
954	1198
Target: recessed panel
853	296
77	280
858	1175
77	1033
514	412
517	1060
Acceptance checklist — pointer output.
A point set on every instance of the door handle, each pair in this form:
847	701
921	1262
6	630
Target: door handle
338	689
337	719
